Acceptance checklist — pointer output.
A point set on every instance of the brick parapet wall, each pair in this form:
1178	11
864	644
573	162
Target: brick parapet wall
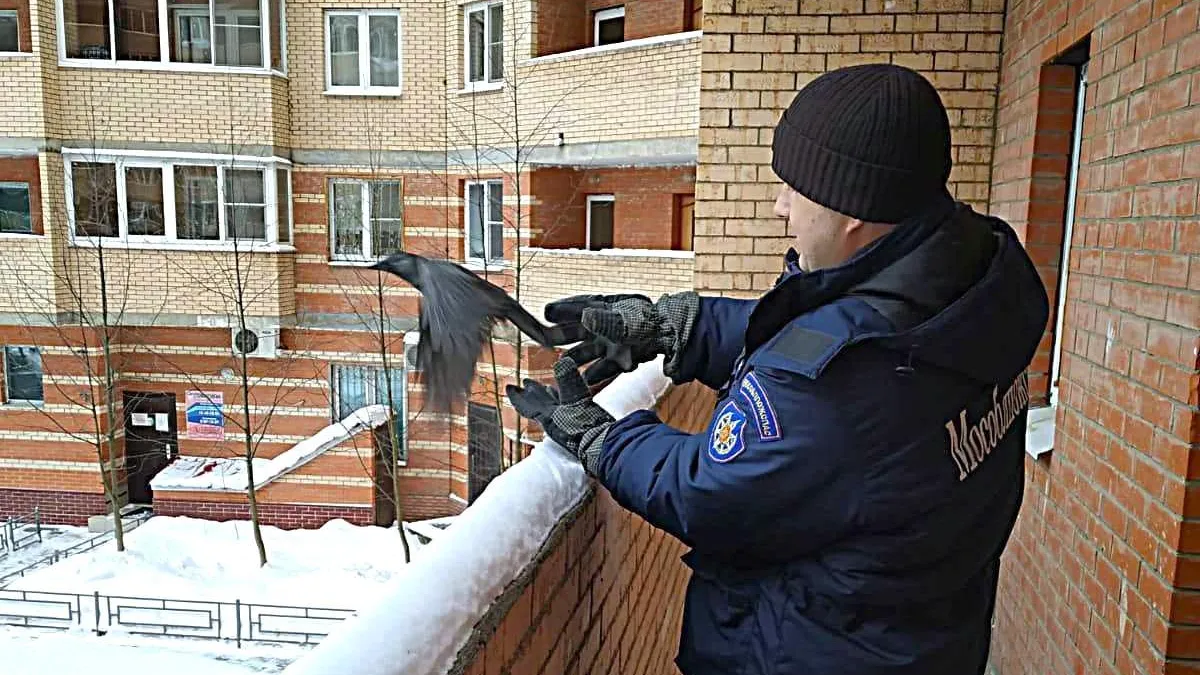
285	516
605	597
551	274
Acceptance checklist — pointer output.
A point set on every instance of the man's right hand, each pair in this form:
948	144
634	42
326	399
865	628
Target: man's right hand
626	330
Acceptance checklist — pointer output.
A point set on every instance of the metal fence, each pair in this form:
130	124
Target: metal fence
81	547
235	621
20	531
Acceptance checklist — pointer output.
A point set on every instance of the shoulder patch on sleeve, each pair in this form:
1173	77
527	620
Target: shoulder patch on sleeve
765	419
726	440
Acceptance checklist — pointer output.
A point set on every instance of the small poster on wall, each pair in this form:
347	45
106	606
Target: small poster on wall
204	419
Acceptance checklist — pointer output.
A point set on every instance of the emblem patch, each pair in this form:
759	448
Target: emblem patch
727	441
765	419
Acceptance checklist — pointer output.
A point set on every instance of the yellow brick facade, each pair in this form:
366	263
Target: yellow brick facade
547	272
758	53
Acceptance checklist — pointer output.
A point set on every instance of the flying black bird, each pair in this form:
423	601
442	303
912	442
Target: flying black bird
458	310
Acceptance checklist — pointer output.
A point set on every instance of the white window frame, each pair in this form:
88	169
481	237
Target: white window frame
488	261
605	15
167	163
17	15
22	401
593	199
488	83
28	191
164	44
1040	430
372	396
368	253
364	88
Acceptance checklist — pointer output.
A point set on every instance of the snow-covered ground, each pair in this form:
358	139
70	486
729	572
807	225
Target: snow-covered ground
339	566
54	538
26	651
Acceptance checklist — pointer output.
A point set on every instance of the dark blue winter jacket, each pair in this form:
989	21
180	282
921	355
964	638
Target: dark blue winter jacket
848	503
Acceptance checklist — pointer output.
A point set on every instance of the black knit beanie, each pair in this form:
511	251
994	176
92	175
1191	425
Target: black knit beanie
871	142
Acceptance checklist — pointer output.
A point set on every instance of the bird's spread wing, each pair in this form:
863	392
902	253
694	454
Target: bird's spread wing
458	317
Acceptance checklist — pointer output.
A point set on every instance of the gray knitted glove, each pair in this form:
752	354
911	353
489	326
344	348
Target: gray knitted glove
628	330
568	415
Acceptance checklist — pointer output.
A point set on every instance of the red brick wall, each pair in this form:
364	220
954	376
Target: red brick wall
57	507
285	516
567	26
643	210
24	169
1102	572
608	597
24	36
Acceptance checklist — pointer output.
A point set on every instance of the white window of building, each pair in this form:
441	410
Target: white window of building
367	219
608	26
362	52
600	222
9	31
184	34
485	221
16	214
483	45
23	375
178	201
356	386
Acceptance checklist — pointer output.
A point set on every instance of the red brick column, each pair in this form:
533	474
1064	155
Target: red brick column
1103	570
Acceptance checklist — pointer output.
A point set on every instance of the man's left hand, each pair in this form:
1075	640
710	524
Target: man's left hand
568	415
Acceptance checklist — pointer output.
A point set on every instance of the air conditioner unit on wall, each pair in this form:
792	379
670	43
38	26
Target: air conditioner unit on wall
410	358
260	339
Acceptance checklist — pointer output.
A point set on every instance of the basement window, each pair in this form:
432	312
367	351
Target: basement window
608	26
16	216
23	375
600	222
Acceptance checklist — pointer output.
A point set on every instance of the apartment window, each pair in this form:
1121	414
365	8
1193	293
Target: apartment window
485	441
185	201
355	387
484	42
23	375
16	216
9	31
608	26
363	51
485	221
367	219
228	33
599	222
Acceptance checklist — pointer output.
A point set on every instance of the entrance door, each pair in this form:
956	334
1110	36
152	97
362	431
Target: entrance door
151	440
483	448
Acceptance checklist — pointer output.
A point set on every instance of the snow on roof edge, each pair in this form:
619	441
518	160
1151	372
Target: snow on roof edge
423	616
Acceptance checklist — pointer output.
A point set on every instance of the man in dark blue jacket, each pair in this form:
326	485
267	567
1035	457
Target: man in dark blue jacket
847	505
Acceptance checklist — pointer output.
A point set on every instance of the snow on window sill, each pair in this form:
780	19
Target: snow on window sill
479	266
424	617
195	68
615	252
22	405
481	88
615	47
176	245
387	92
1039	431
351	262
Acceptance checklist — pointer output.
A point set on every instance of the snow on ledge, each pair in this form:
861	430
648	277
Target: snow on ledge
228	474
426	614
614	252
